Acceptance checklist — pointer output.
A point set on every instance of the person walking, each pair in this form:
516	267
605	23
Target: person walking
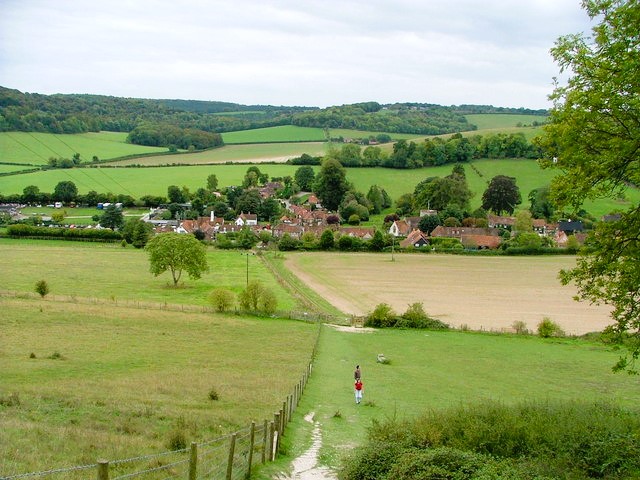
356	373
359	387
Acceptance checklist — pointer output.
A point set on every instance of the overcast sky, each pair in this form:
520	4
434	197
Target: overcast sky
289	52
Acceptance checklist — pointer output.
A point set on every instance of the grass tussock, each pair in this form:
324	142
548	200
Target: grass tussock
563	440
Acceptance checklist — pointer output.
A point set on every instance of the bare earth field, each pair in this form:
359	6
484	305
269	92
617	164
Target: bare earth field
488	293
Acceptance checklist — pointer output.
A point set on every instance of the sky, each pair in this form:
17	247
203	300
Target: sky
289	52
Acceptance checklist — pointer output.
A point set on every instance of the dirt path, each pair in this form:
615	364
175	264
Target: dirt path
306	467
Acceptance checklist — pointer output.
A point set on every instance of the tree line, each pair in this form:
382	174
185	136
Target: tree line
75	113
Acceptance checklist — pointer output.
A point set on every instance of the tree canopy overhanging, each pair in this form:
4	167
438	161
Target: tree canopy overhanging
593	138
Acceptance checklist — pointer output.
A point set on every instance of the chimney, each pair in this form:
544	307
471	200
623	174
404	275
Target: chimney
213	217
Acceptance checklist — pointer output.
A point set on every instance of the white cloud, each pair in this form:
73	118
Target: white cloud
288	52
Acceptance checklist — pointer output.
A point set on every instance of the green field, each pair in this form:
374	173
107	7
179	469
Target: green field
13	168
291	133
126	378
434	370
115	383
36	148
154	181
490	121
110	273
265	152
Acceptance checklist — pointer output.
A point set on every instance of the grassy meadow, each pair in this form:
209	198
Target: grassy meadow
33	148
90	382
291	133
113	274
490	121
436	370
244	153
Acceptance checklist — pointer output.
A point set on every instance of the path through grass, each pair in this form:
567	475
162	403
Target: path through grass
433	370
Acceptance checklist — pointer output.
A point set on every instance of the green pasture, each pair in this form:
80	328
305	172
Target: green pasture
291	133
78	216
13	168
114	383
436	370
245	153
32	148
502	120
112	274
154	181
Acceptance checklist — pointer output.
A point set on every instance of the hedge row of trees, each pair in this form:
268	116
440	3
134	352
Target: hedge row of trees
22	230
432	151
398	118
160	135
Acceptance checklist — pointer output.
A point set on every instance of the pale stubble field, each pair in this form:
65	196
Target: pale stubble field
489	293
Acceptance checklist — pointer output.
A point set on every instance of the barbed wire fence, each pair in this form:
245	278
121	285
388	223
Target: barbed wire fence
229	457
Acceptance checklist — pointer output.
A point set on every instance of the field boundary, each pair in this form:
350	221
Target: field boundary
227	457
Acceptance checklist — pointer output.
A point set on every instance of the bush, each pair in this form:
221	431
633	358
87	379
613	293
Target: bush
256	297
177	440
490	440
382	316
416	317
222	299
547	329
42	288
520	327
213	394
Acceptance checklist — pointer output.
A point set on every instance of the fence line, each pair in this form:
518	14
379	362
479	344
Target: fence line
227	457
311	316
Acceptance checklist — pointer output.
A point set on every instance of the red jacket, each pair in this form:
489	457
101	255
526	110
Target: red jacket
358	385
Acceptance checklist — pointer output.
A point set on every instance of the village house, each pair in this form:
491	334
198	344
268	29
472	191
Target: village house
246	219
402	228
471	237
363	233
416	239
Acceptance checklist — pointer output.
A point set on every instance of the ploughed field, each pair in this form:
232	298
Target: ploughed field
488	293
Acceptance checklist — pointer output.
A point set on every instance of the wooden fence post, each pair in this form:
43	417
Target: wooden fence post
103	470
283	416
232	449
193	461
278	431
251	443
272	431
264	442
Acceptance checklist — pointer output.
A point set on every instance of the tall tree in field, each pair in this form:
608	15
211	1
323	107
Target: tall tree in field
65	191
177	253
594	139
304	176
331	184
502	195
112	218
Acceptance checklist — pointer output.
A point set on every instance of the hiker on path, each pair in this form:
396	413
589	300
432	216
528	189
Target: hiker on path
359	387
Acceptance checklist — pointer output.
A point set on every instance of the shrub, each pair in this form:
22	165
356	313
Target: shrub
222	299
520	327
548	328
42	288
177	440
416	317
490	440
11	400
268	302
213	394
257	297
382	316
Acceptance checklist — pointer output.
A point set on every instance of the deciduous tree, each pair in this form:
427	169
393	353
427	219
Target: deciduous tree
177	253
502	195
594	138
331	184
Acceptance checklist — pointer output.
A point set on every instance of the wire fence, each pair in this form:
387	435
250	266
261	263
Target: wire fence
228	457
307	316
